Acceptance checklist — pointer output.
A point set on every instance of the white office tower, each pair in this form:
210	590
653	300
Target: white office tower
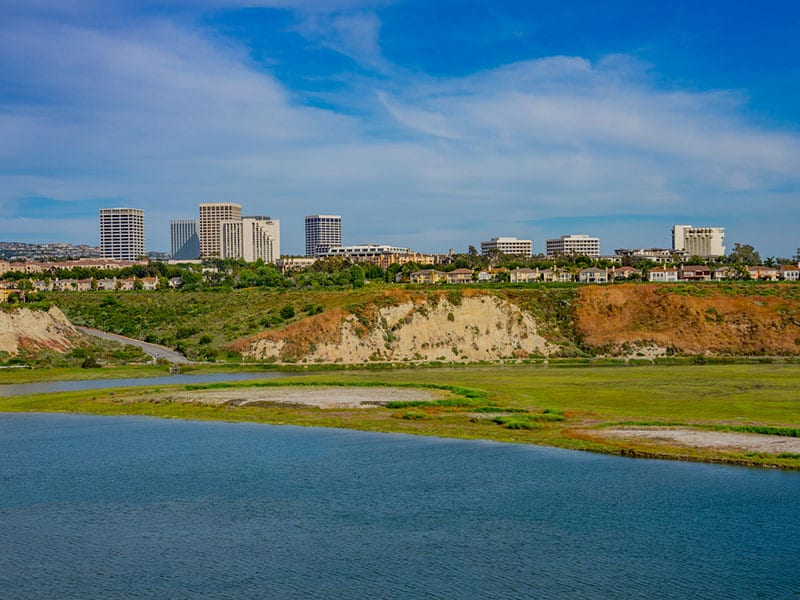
122	233
323	232
251	238
699	241
184	241
573	245
211	217
508	245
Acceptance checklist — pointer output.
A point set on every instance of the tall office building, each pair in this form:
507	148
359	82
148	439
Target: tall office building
322	233
576	245
251	238
184	241
698	241
211	217
122	233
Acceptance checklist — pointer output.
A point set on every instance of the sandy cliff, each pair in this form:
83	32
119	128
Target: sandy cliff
425	327
25	329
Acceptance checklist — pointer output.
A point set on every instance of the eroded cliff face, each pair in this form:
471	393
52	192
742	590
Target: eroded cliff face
426	328
29	330
700	320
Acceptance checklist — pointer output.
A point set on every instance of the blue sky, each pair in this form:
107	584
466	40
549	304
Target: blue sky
426	124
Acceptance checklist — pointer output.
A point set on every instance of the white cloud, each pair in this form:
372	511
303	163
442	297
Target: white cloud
162	116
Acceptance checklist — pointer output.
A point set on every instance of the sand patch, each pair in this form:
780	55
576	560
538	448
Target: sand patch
710	440
320	397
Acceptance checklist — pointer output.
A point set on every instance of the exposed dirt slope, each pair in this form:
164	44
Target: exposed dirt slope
407	327
699	319
29	330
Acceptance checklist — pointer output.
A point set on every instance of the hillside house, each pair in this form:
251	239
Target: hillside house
761	273
663	274
593	275
694	273
790	273
427	276
459	276
521	275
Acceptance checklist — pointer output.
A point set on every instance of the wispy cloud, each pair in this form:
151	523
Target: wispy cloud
164	113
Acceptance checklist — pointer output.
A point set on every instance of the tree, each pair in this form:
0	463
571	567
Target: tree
744	254
357	276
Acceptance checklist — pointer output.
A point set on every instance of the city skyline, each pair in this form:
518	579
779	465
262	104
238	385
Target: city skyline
427	125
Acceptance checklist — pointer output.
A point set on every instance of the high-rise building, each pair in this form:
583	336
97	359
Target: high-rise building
261	239
698	241
576	245
184	241
211	217
322	233
508	245
251	238
122	233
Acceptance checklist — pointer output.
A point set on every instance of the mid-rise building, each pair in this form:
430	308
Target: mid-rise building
184	241
122	233
322	233
573	245
211	217
699	241
508	245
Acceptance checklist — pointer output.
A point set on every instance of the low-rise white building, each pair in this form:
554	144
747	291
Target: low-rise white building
508	245
573	245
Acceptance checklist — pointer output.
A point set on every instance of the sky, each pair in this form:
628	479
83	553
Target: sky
425	124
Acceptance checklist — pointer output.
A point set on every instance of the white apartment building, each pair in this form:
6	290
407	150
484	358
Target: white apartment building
322	232
251	239
575	244
211	217
698	241
508	245
122	233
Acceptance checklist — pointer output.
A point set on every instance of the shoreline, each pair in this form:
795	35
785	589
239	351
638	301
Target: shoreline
492	412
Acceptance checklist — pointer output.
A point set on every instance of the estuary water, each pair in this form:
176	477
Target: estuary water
99	507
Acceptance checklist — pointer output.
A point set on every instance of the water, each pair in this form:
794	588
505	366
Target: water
98	507
49	387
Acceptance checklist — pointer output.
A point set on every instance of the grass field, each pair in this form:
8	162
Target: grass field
565	406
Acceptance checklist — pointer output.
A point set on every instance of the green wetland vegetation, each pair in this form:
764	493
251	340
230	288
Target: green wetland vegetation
567	406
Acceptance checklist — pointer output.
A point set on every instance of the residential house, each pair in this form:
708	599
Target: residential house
42	285
459	276
427	276
107	283
694	273
724	273
663	274
175	282
149	283
556	275
593	275
72	285
624	272
790	273
521	275
761	273
126	284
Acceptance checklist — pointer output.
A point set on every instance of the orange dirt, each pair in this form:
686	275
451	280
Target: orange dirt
703	320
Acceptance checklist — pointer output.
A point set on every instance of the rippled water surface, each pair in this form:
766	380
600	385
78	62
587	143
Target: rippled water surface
94	507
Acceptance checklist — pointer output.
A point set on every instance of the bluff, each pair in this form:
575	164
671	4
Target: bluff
625	320
25	330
